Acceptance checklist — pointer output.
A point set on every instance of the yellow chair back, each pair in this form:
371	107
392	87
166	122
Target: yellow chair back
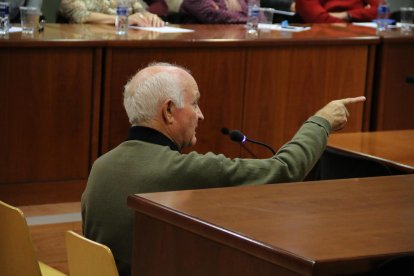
17	255
86	257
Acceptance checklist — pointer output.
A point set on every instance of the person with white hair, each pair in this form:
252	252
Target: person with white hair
162	104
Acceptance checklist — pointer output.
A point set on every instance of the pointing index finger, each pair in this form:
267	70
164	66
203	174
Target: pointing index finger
353	100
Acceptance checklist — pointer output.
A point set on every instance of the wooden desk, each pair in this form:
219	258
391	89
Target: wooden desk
314	228
393	148
68	108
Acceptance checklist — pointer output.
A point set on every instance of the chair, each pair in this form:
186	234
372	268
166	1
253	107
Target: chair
86	257
17	254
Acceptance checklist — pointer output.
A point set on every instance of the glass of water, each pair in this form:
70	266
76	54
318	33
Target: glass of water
121	21
29	17
4	18
407	16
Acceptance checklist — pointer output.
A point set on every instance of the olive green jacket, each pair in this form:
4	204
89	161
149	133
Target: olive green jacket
140	167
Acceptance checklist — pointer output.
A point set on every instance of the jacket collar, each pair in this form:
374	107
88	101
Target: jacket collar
150	135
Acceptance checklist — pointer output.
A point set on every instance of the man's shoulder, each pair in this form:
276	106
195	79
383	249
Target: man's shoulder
134	149
129	153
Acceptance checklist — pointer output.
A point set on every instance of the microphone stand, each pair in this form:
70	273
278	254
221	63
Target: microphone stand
239	137
262	144
248	150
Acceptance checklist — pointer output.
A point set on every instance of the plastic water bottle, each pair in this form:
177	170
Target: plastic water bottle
253	14
383	15
4	18
121	22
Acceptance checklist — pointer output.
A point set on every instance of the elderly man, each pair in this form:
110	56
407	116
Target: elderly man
162	105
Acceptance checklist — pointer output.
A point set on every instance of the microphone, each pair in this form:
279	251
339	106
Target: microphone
238	136
226	131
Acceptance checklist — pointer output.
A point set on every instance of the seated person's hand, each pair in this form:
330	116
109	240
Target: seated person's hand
145	19
293	7
340	15
336	112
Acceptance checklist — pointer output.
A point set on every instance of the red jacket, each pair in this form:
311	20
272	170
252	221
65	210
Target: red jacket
317	11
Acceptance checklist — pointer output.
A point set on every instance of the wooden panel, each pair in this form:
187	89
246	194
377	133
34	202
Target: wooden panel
287	85
42	192
218	72
47	112
161	242
395	96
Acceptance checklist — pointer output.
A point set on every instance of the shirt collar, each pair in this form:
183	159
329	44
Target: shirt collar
150	135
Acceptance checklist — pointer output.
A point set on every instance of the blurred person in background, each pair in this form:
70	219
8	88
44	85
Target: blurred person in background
226	11
141	13
215	11
336	11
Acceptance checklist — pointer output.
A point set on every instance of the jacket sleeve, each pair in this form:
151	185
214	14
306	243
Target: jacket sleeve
208	11
365	14
291	163
311	11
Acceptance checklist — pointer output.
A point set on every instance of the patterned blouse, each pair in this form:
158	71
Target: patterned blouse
213	11
77	11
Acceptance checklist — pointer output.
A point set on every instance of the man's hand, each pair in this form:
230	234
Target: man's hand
336	113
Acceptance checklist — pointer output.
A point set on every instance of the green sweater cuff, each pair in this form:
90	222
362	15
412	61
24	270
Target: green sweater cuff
321	122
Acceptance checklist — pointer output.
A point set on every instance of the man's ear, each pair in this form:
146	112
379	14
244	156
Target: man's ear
167	110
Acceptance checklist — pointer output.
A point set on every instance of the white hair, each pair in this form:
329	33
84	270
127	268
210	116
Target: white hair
142	97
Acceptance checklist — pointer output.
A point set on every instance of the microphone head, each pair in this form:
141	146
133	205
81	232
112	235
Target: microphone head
237	136
225	131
